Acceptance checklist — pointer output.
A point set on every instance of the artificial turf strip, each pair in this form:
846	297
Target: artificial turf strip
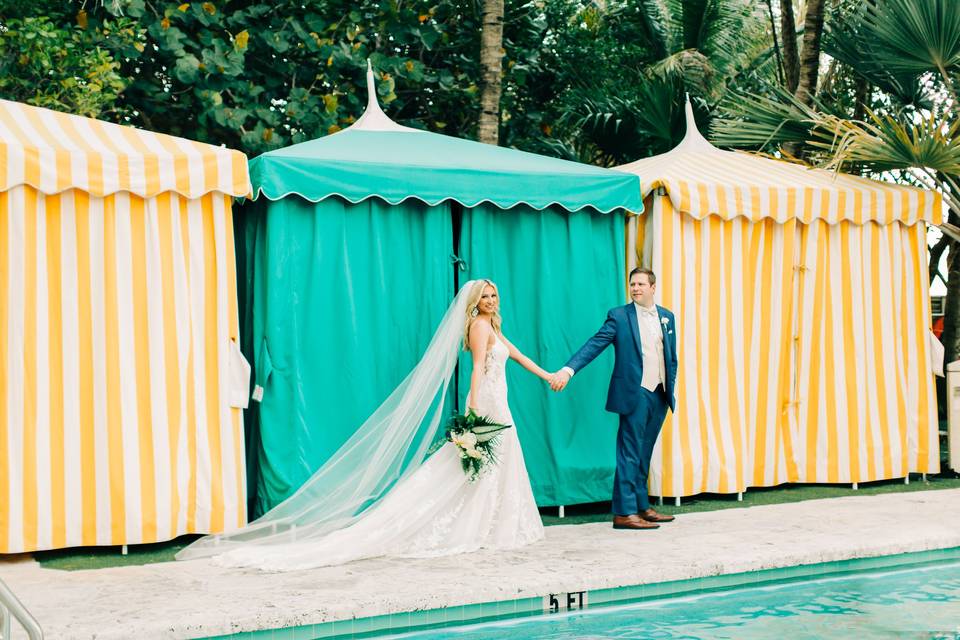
600	512
79	558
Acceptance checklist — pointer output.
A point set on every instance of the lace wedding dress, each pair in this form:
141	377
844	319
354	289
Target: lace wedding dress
433	511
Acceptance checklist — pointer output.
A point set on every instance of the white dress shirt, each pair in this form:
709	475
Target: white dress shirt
651	343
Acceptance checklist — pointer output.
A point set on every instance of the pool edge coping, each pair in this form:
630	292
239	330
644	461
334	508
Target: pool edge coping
474	613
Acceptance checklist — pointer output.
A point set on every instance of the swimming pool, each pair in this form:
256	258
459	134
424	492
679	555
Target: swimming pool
916	601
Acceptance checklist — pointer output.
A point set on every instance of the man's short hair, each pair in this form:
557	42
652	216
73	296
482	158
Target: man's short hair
651	276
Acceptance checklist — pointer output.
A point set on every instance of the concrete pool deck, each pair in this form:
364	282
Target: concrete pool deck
198	599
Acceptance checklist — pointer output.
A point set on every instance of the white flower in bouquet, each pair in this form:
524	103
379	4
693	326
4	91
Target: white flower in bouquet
473	453
466	440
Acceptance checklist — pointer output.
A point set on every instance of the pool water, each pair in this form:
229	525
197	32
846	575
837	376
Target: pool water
914	602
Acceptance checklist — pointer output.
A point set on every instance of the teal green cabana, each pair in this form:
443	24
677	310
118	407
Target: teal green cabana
353	248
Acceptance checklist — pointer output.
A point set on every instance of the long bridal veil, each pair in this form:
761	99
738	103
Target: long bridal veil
392	442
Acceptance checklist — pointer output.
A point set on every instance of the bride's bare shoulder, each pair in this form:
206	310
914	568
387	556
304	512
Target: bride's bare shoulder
481	324
481	333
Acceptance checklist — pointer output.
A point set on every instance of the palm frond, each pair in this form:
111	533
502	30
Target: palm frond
763	122
882	143
915	36
657	21
727	33
689	65
848	39
726	27
885	143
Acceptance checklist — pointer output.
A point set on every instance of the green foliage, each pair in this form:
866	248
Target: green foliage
257	76
599	82
849	40
63	67
621	69
913	36
262	75
906	55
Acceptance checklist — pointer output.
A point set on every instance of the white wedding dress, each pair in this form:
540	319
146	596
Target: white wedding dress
434	510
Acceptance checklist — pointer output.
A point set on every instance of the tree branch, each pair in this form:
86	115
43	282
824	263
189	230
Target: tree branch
936	252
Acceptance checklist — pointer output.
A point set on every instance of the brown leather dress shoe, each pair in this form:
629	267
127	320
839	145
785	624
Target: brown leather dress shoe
632	521
652	516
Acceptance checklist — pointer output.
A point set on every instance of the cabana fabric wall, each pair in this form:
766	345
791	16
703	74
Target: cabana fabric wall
802	320
118	323
326	352
340	301
558	273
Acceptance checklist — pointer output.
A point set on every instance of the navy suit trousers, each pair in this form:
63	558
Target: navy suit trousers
635	440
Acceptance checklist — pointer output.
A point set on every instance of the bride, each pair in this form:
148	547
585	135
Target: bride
383	493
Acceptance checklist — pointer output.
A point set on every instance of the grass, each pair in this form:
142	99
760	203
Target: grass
79	558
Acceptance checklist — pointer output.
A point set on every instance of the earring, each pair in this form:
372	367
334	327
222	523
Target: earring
474	313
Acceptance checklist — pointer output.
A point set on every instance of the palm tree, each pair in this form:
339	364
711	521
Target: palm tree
491	64
791	55
810	55
907	55
696	46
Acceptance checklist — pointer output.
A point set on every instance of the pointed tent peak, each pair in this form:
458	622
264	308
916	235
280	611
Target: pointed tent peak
373	118
693	140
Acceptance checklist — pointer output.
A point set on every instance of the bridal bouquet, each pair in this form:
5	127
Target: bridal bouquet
476	439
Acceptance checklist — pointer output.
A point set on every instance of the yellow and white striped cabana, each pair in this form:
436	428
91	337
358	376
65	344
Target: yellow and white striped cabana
118	326
803	310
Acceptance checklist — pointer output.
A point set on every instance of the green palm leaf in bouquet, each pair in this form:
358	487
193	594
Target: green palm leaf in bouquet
487	432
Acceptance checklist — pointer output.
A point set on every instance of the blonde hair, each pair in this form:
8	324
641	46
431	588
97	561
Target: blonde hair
472	301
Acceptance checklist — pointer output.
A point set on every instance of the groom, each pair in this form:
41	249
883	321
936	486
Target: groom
641	389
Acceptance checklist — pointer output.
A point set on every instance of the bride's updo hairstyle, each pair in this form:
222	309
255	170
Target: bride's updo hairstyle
473	299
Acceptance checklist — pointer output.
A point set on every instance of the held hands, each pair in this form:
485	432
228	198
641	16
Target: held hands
559	380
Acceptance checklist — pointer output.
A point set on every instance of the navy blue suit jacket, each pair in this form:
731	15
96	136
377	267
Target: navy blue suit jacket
621	329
